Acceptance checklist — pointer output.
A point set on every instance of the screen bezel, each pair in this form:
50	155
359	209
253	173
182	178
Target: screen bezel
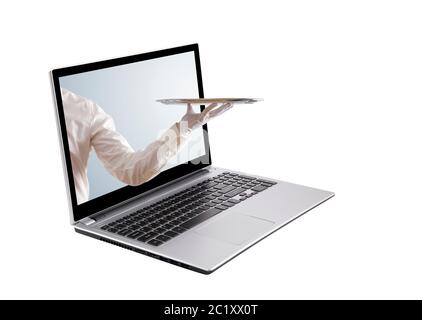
126	193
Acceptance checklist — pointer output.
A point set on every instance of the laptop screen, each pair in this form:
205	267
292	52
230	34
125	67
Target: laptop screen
114	130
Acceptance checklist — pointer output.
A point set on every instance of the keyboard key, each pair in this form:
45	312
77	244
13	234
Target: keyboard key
171	234
172	224
180	229
233	201
163	238
221	207
124	232
200	218
246	177
259	188
202	208
198	210
179	220
154	225
206	206
210	184
145	229
266	181
160	230
167	219
154	242
235	192
192	214
228	204
168	226
112	230
266	184
227	189
147	236
183	219
134	235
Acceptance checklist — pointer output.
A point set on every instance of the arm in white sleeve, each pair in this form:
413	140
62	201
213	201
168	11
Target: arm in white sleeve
118	157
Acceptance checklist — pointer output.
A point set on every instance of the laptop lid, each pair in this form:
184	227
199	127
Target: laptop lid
125	90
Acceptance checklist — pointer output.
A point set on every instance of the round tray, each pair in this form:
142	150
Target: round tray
210	100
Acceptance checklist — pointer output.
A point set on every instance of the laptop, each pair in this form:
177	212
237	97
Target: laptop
188	213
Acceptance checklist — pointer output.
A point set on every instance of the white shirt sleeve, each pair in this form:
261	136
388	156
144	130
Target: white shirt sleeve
118	157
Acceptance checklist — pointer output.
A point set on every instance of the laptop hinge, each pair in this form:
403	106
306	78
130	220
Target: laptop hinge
87	221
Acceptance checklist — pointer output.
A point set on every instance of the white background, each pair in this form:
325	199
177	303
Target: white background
342	87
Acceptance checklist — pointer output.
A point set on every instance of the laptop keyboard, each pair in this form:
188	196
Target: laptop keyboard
169	217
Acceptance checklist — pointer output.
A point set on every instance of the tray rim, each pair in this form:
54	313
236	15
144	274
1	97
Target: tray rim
208	100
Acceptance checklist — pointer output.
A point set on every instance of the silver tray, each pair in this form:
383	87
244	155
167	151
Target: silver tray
209	100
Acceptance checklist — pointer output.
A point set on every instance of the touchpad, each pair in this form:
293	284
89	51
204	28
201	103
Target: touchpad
235	228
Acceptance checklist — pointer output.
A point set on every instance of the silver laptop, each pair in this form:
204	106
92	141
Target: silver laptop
188	213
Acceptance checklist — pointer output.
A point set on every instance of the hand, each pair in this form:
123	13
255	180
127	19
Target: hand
192	120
